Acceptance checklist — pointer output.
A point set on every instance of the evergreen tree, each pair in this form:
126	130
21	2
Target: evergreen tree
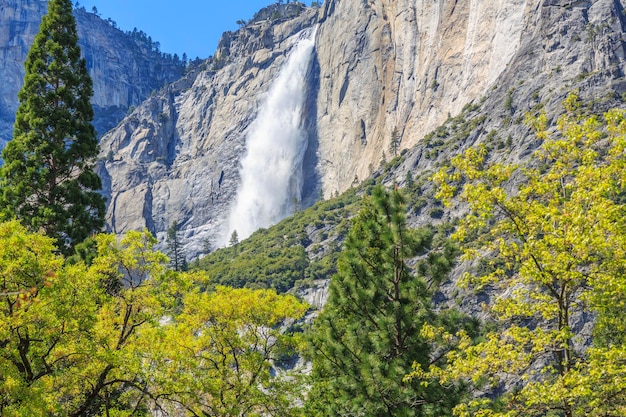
394	144
369	332
176	254
409	182
47	180
234	238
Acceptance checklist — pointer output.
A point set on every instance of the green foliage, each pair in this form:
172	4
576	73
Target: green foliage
394	143
234	238
508	102
555	249
126	335
280	256
267	267
225	345
436	212
47	179
453	132
86	251
370	330
409	182
67	343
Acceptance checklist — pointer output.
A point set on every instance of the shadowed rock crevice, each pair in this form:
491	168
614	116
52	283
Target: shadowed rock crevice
312	184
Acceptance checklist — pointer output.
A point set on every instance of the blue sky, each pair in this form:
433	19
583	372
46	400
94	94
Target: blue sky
191	26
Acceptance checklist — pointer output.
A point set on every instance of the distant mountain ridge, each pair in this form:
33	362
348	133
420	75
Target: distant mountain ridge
125	69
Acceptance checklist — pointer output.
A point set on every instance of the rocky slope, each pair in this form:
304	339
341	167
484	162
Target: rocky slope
380	66
124	70
424	61
565	47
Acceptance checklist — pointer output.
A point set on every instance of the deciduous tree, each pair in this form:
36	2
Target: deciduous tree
126	335
75	339
226	346
554	250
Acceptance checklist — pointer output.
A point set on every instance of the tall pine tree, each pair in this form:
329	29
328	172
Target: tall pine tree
369	333
178	260
47	180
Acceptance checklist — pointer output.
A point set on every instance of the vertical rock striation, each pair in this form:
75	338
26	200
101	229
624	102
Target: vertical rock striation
177	157
409	65
405	65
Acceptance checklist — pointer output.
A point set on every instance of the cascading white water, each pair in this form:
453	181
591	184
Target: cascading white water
271	170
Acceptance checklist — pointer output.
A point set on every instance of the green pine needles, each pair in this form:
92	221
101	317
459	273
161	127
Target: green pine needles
370	331
47	180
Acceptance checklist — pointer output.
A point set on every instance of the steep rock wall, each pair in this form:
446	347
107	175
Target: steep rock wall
123	70
409	66
403	65
176	158
380	65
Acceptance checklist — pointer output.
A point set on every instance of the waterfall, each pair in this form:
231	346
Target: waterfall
271	169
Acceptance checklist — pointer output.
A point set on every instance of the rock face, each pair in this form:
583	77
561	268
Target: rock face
565	46
380	66
176	158
405	65
123	69
410	65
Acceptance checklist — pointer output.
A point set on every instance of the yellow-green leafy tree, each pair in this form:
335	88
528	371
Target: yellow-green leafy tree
29	272
551	242
226	345
74	337
105	339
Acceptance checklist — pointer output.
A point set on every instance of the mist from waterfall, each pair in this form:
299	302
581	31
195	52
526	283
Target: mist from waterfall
271	169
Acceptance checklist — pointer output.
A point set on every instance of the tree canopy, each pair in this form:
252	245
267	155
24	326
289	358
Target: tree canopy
370	330
126	335
553	248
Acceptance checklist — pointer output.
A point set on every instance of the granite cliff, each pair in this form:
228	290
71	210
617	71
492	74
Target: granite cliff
380	66
382	71
124	69
176	158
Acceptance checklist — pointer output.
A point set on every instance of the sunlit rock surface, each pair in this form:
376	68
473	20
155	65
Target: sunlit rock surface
379	66
177	157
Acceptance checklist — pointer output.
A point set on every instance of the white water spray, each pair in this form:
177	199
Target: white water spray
271	170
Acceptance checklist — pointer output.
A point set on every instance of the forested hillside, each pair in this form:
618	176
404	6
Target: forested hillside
526	322
541	256
473	270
